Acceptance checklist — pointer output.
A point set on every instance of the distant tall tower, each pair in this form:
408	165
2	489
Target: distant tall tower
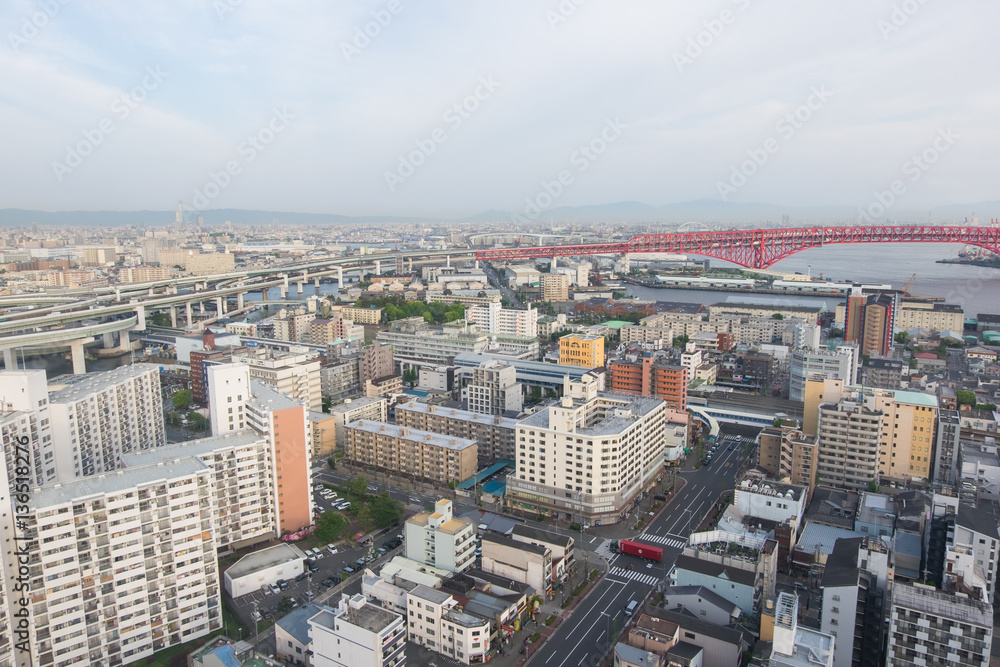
179	217
34	228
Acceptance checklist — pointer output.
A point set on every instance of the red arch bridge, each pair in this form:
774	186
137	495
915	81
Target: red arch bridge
759	248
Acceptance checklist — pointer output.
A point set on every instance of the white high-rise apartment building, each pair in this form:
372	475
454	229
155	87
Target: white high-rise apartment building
588	458
229	387
24	411
296	374
243	483
848	436
495	319
86	422
120	565
357	633
494	389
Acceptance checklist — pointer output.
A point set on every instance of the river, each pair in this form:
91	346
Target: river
976	289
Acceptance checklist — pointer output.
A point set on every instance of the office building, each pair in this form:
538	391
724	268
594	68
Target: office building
144	274
587	458
839	363
440	539
494	435
554	287
410	451
325	330
357	409
295	374
493	389
122	565
375	361
855	585
357	633
586	350
931	627
97	417
764	311
496	319
649	376
744	582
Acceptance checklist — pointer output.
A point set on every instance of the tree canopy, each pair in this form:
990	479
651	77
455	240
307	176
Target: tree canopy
330	526
966	397
397	308
181	399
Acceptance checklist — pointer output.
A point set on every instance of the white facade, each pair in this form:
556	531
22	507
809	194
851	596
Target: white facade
24	396
434	621
358	409
439	539
121	565
262	568
930	627
229	387
771	500
494	389
357	634
98	417
295	374
839	364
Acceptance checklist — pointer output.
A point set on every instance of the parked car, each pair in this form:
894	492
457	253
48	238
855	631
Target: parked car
309	595
332	549
313	566
302	577
269	589
255	616
328	582
283	584
267	613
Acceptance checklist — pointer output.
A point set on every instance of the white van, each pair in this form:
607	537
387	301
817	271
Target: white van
630	609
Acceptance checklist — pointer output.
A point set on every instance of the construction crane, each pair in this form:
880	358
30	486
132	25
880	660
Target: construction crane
909	284
517	243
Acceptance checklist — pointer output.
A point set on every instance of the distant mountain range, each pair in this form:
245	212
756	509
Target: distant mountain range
707	211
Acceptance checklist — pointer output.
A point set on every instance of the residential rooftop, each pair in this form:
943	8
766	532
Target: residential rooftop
70	388
265	558
942	605
198	447
455	413
411	434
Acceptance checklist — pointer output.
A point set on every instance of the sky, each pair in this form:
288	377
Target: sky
448	109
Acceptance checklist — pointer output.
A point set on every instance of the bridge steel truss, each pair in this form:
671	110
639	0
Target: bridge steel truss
759	248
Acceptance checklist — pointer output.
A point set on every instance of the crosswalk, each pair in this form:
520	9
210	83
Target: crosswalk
668	540
635	575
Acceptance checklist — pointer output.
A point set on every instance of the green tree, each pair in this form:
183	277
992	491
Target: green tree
410	377
364	518
681	341
332	462
836	333
359	487
330	527
902	337
778	422
327	404
385	510
197	421
777	316
873	487
173	419
159	320
182	399
286	605
965	397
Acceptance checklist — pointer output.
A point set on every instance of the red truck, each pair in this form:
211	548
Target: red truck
638	549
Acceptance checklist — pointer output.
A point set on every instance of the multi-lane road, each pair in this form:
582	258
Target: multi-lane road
585	638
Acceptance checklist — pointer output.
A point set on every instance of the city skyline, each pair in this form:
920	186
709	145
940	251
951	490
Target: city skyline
451	112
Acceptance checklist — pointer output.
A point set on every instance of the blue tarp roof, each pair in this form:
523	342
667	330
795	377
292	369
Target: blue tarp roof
226	655
495	487
486	474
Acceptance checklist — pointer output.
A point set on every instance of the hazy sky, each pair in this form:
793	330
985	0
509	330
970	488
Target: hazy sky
133	104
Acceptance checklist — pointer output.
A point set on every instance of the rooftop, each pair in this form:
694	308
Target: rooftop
265	558
368	616
74	387
638	406
266	397
940	604
411	434
514	544
115	482
718	570
635	656
297	622
542	536
432	595
354	405
455	413
197	447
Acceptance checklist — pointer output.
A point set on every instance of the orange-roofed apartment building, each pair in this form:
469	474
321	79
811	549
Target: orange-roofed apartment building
647	376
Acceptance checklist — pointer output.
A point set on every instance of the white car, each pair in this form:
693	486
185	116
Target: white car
332	549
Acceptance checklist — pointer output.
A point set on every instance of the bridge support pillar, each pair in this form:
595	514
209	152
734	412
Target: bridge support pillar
9	359
220	305
410	260
140	312
316	284
302	288
173	317
552	265
79	360
201	307
477	263
447	261
187	311
263	295
108	340
625	264
340	277
118	294
239	300
378	267
152	291
124	342
284	291
284	277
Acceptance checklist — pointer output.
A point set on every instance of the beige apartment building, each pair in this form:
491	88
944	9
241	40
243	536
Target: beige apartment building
554	287
930	316
295	374
495	435
440	539
145	274
435	619
207	264
352	410
362	315
411	451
